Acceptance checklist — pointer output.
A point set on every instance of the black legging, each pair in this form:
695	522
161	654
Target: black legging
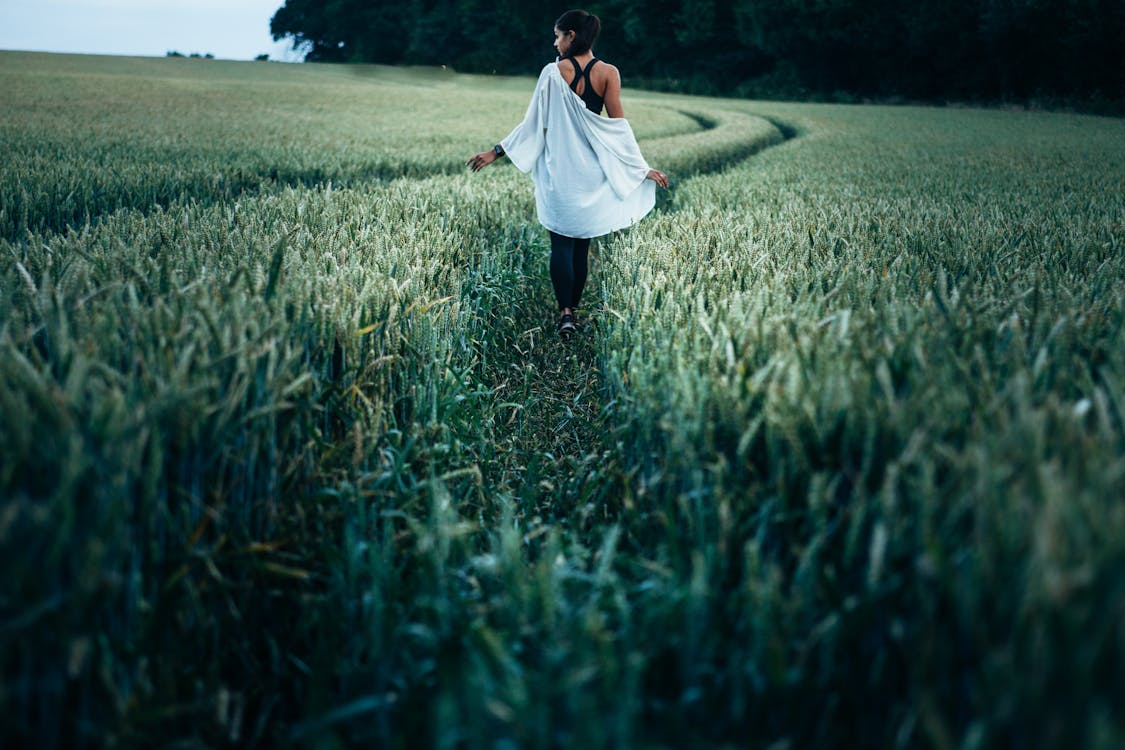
569	265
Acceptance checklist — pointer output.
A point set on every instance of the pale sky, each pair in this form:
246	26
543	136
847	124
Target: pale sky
228	29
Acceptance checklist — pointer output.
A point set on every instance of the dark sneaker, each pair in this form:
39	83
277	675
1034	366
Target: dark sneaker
566	325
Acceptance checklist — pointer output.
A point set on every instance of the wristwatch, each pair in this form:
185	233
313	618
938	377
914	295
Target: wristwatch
498	149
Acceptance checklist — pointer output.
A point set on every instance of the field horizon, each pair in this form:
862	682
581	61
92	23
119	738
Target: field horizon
291	453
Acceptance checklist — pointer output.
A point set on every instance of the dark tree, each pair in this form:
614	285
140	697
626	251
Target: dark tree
924	49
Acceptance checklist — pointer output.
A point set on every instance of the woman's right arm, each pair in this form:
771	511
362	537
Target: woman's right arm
612	95
613	108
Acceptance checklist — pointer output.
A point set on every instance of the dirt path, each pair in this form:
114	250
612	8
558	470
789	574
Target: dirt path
545	394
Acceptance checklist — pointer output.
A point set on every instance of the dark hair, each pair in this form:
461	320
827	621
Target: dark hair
585	26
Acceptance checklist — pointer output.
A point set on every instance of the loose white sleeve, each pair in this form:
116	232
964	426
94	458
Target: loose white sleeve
525	143
618	153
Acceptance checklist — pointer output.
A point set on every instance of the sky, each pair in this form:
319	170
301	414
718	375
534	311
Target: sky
228	29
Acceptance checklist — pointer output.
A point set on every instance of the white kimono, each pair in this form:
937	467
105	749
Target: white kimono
588	170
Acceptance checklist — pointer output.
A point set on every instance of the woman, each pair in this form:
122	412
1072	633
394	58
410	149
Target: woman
590	177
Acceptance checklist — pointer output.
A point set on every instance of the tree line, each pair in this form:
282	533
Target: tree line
972	50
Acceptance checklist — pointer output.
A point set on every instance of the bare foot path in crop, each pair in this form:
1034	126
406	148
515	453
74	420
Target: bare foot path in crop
553	441
544	391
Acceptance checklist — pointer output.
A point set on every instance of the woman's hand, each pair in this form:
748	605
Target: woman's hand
658	177
482	160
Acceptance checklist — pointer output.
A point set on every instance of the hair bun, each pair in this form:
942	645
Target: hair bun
586	27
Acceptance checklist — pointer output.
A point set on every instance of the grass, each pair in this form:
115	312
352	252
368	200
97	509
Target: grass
85	140
295	458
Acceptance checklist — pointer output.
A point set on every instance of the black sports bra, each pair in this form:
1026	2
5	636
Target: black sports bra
590	97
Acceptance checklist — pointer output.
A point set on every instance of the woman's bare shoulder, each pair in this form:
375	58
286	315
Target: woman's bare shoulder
609	72
565	69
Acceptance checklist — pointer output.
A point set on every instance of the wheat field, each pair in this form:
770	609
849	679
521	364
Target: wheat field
290	454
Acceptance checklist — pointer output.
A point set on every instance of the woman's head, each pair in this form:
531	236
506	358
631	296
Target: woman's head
575	32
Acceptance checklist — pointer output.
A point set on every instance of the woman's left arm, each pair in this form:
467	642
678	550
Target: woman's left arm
523	144
479	161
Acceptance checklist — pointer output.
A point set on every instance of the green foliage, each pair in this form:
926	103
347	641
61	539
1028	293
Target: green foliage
1028	50
835	462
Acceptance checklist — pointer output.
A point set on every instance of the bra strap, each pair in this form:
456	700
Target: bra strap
590	83
577	74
